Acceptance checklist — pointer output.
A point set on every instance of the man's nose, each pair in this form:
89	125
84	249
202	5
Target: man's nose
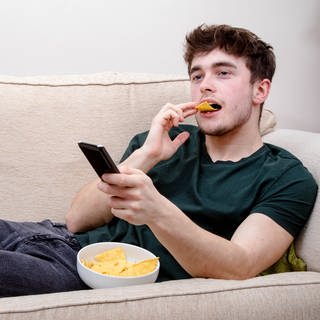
207	85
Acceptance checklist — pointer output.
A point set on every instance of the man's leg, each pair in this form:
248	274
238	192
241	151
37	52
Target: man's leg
37	258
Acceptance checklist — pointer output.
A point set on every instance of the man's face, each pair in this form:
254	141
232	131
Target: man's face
224	80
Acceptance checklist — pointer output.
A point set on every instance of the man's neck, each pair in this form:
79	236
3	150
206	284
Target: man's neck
233	146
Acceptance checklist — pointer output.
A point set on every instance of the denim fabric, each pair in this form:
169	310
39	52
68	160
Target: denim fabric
37	258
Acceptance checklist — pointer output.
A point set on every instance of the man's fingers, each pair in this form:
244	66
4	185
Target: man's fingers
177	113
128	177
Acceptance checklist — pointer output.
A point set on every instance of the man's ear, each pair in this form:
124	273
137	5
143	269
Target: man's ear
261	89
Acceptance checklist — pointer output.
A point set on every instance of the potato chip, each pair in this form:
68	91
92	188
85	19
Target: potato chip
112	267
115	253
141	268
113	262
205	106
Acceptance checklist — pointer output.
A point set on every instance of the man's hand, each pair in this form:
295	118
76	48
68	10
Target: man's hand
158	143
132	196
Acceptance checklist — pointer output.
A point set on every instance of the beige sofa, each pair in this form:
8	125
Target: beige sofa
41	168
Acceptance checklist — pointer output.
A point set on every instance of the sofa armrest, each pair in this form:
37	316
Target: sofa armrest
305	146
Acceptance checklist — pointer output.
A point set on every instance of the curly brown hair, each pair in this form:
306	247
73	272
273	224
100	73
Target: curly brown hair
259	56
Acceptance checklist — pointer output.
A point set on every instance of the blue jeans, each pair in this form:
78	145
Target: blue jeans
37	258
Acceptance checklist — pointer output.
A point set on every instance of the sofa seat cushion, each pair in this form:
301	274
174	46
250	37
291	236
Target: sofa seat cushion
280	296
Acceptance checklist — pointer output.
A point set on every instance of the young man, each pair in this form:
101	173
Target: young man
211	201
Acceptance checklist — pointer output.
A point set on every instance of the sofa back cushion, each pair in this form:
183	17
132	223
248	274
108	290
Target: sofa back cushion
43	118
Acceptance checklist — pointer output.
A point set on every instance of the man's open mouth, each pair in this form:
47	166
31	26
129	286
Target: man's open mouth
215	106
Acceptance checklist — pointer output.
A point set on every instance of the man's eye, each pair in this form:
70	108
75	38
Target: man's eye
224	73
196	77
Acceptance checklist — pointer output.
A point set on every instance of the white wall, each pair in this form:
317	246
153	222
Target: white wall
83	36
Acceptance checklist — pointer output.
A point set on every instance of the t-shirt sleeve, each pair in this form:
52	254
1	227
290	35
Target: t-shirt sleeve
290	199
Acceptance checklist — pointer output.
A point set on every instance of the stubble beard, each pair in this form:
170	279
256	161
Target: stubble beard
220	129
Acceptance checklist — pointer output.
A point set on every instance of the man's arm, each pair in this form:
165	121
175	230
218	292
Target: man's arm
90	208
257	243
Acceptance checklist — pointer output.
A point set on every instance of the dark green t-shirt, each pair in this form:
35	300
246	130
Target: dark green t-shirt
219	195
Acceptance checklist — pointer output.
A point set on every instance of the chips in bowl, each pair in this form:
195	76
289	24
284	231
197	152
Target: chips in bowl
114	264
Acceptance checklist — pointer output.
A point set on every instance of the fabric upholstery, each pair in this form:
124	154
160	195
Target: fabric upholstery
281	296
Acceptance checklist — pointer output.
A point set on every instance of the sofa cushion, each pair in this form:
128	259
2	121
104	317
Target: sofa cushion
43	118
281	296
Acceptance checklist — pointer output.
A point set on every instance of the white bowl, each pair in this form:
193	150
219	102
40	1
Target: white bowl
98	280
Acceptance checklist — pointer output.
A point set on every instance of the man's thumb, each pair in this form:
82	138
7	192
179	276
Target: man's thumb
180	139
